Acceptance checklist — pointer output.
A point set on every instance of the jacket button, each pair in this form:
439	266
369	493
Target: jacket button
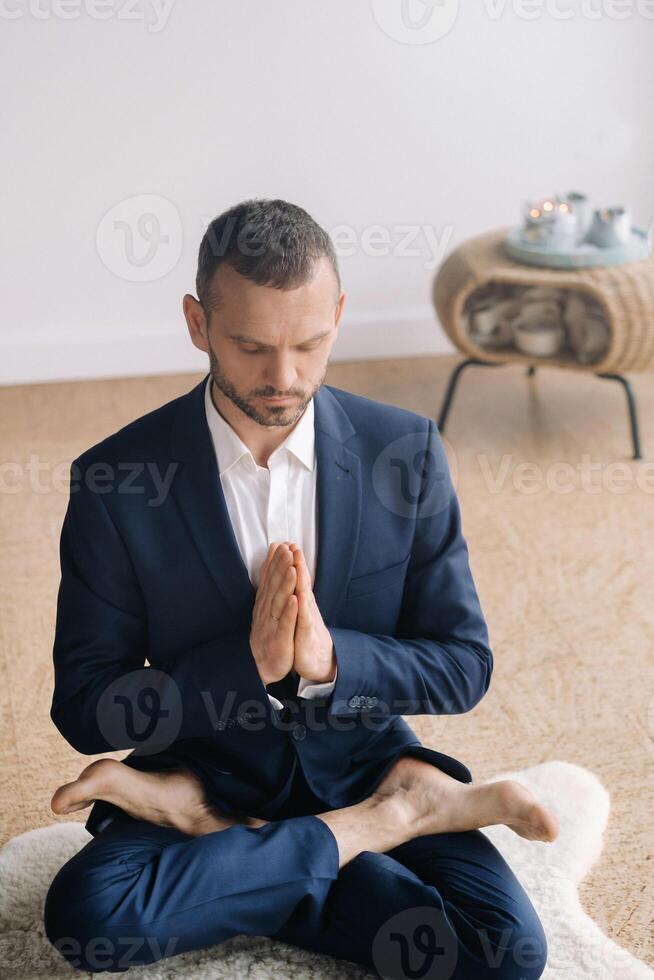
299	732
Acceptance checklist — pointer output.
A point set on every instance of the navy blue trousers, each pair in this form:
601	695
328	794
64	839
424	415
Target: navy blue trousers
441	906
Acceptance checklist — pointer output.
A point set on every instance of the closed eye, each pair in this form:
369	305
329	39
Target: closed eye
303	350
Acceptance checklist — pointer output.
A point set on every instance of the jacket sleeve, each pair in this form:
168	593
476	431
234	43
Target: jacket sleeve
440	662
105	698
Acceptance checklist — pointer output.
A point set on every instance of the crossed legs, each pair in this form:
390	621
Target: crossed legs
337	882
412	799
447	904
441	907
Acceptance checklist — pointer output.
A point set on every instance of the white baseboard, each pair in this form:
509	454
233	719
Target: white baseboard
82	355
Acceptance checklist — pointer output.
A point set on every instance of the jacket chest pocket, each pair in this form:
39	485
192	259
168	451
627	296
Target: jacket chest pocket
372	582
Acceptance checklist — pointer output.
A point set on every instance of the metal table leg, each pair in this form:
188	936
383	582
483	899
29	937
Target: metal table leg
631	404
451	387
531	370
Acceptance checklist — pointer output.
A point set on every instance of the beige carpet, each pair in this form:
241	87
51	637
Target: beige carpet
565	580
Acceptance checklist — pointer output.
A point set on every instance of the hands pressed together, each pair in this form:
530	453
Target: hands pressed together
287	627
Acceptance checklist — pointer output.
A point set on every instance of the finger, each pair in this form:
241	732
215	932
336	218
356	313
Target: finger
272	577
266	561
302	605
280	596
295	551
288	617
284	627
278	573
263	571
273	549
303	624
304	579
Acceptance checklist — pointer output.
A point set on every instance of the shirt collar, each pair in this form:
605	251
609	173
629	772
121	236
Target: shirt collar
229	447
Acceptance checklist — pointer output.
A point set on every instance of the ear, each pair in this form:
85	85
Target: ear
196	322
339	309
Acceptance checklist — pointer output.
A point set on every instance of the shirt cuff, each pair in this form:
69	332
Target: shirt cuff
310	689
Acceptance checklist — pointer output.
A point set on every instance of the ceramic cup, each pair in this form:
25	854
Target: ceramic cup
582	210
541	341
610	226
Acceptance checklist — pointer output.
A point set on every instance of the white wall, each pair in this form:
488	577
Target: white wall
205	103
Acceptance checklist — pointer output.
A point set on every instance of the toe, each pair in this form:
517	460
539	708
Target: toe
94	781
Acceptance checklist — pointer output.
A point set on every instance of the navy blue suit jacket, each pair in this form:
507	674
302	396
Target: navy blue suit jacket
151	649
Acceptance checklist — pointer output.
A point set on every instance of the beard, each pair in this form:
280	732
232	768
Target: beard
277	415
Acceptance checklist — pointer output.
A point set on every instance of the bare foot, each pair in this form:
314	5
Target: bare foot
438	803
171	799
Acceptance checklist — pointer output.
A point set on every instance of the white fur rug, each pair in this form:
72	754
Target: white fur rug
549	873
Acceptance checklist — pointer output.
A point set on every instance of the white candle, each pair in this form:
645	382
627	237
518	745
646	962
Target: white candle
538	220
565	225
550	222
583	211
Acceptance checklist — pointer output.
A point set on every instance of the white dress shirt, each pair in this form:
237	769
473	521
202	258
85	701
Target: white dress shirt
273	503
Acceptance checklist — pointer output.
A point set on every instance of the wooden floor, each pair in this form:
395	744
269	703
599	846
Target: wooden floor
562	555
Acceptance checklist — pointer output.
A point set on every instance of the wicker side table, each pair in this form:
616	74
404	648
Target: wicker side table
625	293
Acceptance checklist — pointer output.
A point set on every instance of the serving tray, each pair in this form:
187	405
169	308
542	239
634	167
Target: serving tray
581	256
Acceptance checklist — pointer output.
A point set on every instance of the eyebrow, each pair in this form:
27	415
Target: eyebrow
253	340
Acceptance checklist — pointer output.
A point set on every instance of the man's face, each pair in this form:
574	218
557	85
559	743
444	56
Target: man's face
264	342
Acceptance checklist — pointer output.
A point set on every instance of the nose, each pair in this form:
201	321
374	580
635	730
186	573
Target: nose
280	376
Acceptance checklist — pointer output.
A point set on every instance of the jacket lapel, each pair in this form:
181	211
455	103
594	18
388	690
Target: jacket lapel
199	495
339	493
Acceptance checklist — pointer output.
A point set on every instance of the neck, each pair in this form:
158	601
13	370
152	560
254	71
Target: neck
261	440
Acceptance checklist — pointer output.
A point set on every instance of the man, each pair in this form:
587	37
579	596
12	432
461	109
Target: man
288	557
